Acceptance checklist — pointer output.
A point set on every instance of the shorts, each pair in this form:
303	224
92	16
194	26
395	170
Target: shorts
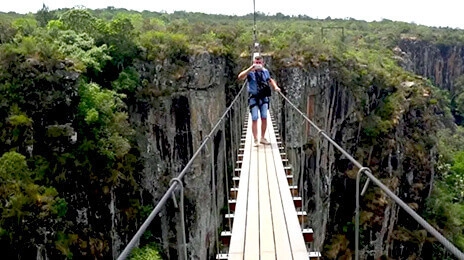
258	105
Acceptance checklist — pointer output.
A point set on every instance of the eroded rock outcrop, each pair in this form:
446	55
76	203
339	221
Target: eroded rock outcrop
400	151
169	130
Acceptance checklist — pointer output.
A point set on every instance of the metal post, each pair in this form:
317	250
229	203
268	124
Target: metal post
356	238
181	208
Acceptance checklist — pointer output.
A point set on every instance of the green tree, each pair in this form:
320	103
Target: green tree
80	21
147	252
127	81
165	45
103	111
7	31
82	49
120	37
457	99
43	16
455	179
445	207
28	211
25	26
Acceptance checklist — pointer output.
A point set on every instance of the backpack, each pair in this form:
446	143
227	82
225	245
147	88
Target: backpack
264	90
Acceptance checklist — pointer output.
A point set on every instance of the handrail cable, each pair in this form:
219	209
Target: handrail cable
445	242
173	186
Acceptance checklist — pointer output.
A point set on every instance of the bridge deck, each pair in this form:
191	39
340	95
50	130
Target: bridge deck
266	224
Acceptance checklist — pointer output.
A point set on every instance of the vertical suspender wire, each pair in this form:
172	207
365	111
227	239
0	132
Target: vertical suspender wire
302	158
240	126
234	130
236	126
240	123
226	171
237	130
292	149
182	216
244	110
232	139
242	115
233	135
213	187
317	171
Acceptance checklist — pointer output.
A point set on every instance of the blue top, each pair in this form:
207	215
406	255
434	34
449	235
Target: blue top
252	85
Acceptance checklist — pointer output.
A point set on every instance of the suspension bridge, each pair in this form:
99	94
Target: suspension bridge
265	216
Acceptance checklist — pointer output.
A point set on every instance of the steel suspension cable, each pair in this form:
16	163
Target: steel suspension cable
445	242
173	186
254	22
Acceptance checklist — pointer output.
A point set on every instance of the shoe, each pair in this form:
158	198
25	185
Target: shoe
264	141
256	143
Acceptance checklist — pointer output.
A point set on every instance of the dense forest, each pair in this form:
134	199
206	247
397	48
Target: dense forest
67	77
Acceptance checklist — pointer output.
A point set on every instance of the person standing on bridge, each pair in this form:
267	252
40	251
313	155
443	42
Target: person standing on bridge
257	77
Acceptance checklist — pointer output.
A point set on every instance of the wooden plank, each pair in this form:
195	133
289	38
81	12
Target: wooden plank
281	236
265	223
298	247
252	218
237	243
267	245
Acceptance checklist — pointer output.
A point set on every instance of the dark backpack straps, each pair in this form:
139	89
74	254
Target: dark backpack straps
259	76
264	100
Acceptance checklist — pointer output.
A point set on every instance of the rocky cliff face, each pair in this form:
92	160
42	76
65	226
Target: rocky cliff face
171	128
402	157
439	63
169	131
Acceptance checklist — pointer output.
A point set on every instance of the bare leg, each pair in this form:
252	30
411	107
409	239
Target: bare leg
254	129
263	127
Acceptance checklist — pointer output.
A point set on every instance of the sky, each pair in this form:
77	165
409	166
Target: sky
443	13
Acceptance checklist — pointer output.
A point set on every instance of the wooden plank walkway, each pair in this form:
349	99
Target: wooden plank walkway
266	224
